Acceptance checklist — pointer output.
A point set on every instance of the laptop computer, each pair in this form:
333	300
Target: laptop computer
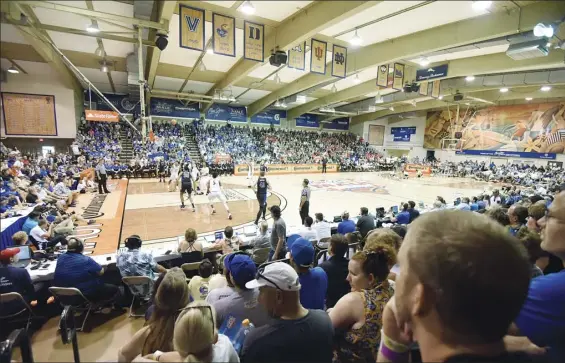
24	257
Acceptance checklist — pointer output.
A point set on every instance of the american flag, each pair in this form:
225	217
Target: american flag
557	136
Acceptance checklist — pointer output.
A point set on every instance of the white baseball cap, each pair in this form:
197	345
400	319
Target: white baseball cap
278	275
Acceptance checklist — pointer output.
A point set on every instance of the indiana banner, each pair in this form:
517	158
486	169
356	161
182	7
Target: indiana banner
398	81
436	89
191	24
223	39
382	76
339	62
318	54
423	88
253	41
297	57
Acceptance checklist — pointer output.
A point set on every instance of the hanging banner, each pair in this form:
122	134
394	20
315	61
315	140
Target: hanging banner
253	41
191	27
318	54
390	77
402	134
297	57
398	82
121	102
223	38
339	61
104	116
269	117
221	112
173	108
436	89
423	88
382	76
338	124
431	73
307	120
508	154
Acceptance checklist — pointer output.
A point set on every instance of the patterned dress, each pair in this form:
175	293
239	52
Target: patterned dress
362	345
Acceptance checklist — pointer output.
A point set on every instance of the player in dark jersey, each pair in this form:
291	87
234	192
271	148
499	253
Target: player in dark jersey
263	167
186	186
162	171
261	189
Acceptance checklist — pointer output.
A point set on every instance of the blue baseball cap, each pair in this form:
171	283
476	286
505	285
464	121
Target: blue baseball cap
241	267
302	252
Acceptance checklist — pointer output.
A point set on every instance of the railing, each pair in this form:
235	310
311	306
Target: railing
17	337
68	331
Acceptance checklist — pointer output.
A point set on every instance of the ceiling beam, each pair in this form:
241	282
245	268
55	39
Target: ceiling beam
95	14
165	10
451	35
295	29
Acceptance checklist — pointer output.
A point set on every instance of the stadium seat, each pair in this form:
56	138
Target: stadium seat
70	296
190	269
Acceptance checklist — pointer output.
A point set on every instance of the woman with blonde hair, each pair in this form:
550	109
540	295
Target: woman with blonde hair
157	334
190	248
196	338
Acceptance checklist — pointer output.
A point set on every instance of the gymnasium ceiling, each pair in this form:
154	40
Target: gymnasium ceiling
471	42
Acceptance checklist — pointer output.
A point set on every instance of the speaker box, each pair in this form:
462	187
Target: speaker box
458	135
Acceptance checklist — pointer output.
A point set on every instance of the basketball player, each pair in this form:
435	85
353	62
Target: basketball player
214	191
186	186
250	174
204	179
263	167
195	175
261	189
161	169
174	177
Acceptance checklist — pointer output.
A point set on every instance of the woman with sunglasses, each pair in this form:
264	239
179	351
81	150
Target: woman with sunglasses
359	313
196	339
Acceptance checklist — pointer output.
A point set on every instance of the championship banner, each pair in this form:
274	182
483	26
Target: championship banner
436	89
105	116
243	169
414	168
223	38
382	76
423	88
191	24
297	57
398	82
29	114
253	41
339	61
318	56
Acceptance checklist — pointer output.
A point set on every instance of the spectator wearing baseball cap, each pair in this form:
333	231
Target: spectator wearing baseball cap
307	334
236	299
14	279
314	281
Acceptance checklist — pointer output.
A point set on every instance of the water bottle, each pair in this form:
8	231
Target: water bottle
246	327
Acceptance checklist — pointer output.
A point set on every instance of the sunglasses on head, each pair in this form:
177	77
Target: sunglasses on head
260	275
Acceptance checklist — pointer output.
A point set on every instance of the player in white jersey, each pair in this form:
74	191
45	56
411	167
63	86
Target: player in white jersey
250	171
195	176
214	192
204	178
174	177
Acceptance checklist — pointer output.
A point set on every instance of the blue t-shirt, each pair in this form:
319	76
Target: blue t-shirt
77	270
403	217
542	318
474	206
29	224
347	226
314	285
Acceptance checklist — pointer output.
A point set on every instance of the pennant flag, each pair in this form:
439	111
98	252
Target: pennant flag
382	76
191	24
253	41
423	88
339	61
398	77
297	57
436	89
223	38
318	56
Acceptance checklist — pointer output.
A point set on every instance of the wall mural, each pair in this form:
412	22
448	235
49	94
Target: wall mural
532	128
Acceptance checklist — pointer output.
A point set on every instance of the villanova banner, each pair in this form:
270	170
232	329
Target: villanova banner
297	57
121	102
382	76
223	38
339	61
509	154
173	108
221	112
307	120
403	134
398	80
318	56
269	117
191	27
253	41
338	124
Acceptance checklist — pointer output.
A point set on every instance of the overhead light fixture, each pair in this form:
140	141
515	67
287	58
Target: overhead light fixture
283	104
379	98
481	5
210	50
277	104
301	98
202	67
277	79
356	40
543	30
161	42
391	108
440	97
504	90
356	80
545	88
424	62
99	52
334	88
247	8
232	98
92	28
470	78
529	98
13	70
414	103
104	67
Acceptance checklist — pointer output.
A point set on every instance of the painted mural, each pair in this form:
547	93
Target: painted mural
538	128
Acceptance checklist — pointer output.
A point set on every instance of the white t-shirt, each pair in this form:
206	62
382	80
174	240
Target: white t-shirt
323	230
37	233
224	351
308	233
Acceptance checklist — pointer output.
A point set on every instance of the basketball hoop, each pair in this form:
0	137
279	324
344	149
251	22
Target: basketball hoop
450	144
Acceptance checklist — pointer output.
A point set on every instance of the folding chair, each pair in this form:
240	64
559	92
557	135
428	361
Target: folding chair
15	317
323	243
190	269
140	288
322	254
260	255
353	246
71	296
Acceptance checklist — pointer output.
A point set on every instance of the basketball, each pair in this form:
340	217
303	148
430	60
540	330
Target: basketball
174	122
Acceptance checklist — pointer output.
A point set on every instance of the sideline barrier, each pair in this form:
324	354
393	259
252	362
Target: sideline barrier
413	168
243	169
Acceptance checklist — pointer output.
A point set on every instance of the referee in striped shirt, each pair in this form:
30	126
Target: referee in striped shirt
102	176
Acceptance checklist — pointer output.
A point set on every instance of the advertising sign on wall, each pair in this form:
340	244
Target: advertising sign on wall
173	108
338	124
221	112
242	169
269	117
307	120
402	134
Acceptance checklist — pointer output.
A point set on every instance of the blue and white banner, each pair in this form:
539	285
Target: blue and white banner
307	120
508	154
221	112
338	124
431	73
402	134
173	108
121	102
269	117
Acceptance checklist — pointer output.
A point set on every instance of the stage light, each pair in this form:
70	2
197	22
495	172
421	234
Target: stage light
542	30
92	28
13	70
424	62
529	98
247	8
504	90
391	108
356	40
470	78
545	88
161	42
104	67
481	5
440	97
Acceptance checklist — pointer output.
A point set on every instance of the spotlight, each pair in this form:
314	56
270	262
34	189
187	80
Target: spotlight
247	8
424	62
545	88
504	90
161	42
202	67
13	70
440	98
104	67
542	30
391	108
92	28
356	40
470	78
356	80
481	5
99	52
529	98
